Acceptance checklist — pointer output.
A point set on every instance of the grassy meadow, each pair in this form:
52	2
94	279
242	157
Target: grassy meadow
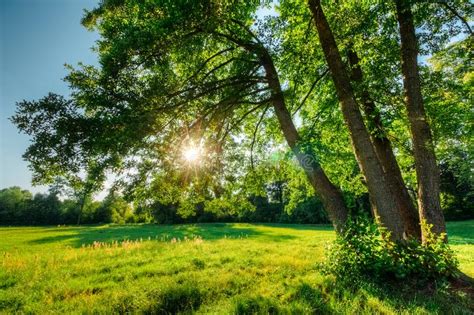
202	269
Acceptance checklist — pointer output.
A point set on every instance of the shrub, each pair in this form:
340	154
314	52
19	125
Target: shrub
365	252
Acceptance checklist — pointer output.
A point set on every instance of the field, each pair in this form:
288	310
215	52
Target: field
204	268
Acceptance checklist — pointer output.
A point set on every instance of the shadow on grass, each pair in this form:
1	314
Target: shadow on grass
84	235
330	297
459	232
298	227
370	297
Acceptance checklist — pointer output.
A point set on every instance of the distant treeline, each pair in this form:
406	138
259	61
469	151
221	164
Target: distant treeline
20	207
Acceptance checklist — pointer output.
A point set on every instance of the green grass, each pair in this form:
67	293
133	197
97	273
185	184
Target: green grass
204	268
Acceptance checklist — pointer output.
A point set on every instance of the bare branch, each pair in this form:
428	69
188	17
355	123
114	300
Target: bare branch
225	63
203	65
459	16
214	85
255	135
245	27
249	46
311	90
238	122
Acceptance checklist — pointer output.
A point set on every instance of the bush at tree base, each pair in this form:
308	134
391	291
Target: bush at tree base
364	252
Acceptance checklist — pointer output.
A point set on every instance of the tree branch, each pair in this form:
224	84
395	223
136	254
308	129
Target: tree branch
259	104
217	68
460	17
208	60
310	90
245	27
255	135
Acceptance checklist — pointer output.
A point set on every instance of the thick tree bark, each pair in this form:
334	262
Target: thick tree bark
329	194
388	214
427	171
384	151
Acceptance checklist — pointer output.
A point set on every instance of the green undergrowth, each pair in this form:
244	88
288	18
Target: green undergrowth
365	252
201	269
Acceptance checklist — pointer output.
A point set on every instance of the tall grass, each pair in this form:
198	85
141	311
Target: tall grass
203	269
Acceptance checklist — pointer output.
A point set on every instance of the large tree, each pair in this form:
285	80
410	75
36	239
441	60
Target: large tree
172	70
368	27
388	208
212	73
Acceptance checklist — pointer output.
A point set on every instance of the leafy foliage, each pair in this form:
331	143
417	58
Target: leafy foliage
365	253
174	73
20	207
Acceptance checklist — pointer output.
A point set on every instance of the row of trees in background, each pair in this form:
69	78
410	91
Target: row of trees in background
20	207
278	204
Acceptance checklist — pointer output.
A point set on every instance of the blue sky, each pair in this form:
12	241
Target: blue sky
37	37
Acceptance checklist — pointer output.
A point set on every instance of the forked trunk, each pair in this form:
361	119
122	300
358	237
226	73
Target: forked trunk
427	172
386	207
81	210
384	151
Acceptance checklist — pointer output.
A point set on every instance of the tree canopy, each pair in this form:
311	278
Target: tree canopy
258	97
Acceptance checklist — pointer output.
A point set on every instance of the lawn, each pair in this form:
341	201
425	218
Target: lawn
203	268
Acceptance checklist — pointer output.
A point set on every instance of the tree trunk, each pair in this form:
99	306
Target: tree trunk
427	171
384	151
388	214
329	194
81	209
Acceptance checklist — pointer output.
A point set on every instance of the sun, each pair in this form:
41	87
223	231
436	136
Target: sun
191	154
